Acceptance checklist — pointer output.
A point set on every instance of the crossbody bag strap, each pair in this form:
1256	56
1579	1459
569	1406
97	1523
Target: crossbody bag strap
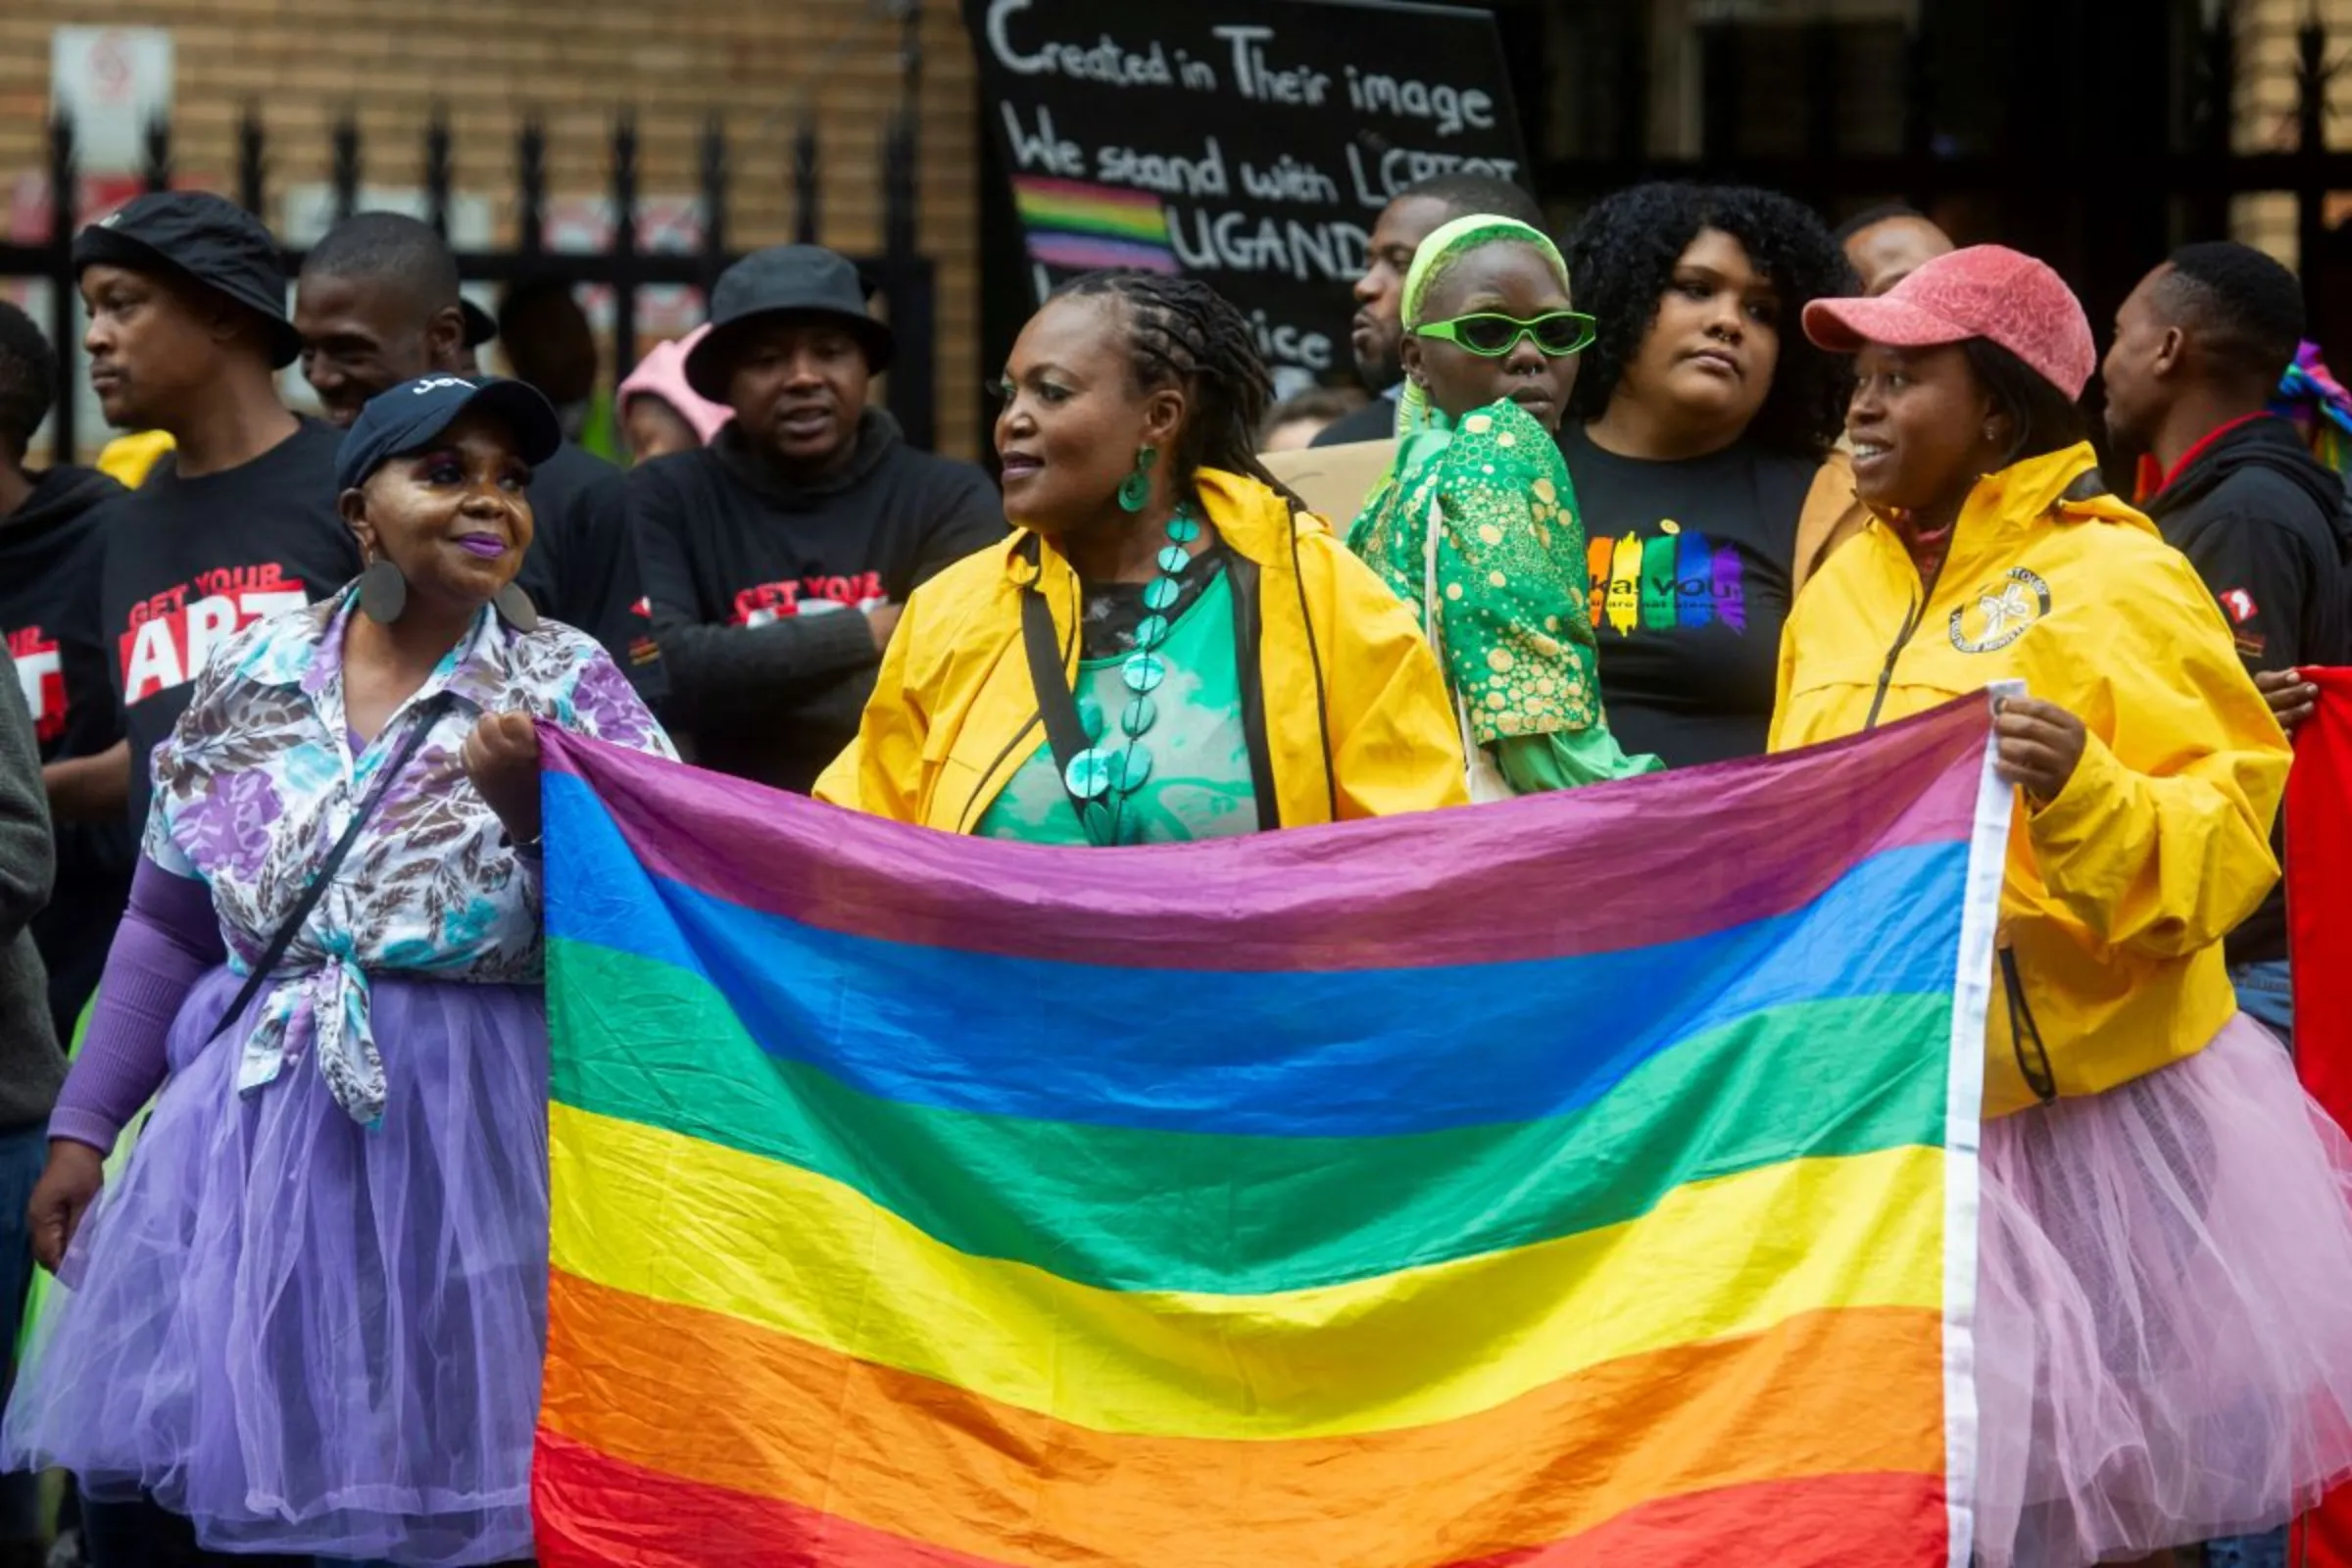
420	724
1056	705
1241	576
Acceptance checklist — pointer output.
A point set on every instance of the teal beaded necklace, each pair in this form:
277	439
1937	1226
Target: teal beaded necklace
1102	777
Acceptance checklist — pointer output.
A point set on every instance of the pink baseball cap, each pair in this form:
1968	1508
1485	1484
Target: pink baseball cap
1987	291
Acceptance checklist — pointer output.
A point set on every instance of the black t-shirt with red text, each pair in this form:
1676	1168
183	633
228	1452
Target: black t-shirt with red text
755	587
51	550
190	562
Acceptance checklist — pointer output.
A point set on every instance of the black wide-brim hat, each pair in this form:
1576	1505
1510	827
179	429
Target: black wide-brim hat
807	280
480	325
201	238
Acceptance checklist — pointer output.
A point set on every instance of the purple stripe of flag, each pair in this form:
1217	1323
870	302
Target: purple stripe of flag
1091	252
1630	864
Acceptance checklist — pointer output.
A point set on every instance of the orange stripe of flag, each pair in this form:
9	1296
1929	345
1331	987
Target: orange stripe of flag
717	1402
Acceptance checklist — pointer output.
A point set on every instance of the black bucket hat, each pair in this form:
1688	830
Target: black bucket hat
784	281
480	325
206	239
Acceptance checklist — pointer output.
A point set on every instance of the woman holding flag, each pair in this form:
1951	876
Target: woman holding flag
2163	1353
1168	650
1476	525
309	1318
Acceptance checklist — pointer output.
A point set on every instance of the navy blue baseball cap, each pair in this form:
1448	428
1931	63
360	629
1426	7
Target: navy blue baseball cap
413	414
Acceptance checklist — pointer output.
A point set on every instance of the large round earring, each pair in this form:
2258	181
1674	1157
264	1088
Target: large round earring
1134	491
515	609
383	592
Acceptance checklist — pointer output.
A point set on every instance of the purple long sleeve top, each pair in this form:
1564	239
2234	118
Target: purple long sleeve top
170	939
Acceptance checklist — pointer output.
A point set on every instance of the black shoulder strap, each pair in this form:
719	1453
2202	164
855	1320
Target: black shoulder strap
420	724
1056	705
1248	633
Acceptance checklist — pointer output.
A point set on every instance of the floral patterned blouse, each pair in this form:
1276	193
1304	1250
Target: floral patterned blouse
262	776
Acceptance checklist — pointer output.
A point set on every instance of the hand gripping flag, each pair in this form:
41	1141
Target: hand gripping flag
1582	1179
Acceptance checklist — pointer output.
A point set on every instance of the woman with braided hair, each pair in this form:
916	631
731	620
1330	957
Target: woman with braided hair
1476	525
1168	649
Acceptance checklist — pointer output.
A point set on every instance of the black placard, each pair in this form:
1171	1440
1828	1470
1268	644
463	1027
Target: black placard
1251	143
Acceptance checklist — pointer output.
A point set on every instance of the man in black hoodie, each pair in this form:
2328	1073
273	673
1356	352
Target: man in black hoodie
777	557
50	556
2198	350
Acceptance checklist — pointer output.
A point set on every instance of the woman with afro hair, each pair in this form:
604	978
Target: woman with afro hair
1700	436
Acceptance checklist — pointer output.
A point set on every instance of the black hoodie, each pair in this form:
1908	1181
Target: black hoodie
50	550
755	587
2269	528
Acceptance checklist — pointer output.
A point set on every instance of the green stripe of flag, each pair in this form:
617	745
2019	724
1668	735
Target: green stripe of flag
1128	1209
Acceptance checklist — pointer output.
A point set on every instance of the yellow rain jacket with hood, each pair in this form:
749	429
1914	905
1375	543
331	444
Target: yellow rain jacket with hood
1348	717
2119	890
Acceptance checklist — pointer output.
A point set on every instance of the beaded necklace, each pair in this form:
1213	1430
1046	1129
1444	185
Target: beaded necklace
1101	777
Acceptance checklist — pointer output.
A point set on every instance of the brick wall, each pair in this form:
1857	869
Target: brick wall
303	62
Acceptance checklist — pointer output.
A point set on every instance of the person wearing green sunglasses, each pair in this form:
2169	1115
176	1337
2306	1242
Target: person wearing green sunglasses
1476	523
1491	335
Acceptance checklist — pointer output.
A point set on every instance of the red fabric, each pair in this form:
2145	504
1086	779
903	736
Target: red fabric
2319	868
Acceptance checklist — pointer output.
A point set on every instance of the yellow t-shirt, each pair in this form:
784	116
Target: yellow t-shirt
127	458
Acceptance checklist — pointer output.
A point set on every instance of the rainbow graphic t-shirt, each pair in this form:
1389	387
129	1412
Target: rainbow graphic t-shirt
1673	578
1687	565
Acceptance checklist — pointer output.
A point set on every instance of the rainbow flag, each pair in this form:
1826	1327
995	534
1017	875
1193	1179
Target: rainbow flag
1079	226
1582	1179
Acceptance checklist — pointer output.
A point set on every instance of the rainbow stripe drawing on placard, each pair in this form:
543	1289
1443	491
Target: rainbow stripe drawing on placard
1080	226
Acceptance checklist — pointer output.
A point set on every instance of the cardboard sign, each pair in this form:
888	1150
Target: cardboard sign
1251	143
1333	481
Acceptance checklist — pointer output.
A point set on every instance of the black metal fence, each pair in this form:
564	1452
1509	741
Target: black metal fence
906	280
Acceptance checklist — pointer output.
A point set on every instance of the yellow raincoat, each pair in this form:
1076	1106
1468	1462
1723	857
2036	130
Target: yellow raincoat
1356	719
2119	890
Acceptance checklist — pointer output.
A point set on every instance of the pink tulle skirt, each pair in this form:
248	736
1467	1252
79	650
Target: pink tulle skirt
2164	1334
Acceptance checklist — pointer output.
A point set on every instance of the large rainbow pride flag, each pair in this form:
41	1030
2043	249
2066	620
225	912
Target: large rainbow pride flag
1583	1179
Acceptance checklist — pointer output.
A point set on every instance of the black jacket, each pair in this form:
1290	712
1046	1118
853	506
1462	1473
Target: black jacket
582	570
32	1067
756	587
51	553
1376	420
2269	528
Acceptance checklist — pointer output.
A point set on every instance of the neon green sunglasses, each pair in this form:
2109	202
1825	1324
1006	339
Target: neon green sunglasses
1493	335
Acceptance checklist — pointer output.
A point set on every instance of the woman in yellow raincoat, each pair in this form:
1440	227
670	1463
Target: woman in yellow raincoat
1167	649
2163	1351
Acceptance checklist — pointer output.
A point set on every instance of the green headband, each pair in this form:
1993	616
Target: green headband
1448	244
1452	241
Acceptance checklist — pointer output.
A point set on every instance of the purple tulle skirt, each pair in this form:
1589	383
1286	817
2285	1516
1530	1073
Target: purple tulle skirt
304	1336
2165	1328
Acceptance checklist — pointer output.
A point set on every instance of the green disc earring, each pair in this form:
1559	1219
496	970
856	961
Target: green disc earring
1134	491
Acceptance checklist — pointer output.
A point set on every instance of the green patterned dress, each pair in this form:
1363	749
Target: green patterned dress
1512	618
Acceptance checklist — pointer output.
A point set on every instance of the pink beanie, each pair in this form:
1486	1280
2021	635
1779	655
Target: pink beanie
662	373
1987	291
